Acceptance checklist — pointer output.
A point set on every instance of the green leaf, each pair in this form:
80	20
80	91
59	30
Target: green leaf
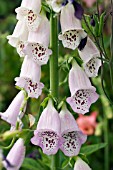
32	164
87	150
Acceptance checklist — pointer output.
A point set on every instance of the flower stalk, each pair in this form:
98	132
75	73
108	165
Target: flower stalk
54	81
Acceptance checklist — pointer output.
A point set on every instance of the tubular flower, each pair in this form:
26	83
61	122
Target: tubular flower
19	37
47	134
72	136
87	124
38	42
72	32
56	5
29	11
11	114
83	94
90	55
15	156
81	165
30	78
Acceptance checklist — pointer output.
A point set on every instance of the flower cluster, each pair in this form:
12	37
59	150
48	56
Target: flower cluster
31	38
56	131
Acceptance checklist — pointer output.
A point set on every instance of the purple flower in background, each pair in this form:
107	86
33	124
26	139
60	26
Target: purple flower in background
83	94
47	134
38	42
11	114
29	11
19	37
90	56
81	165
15	156
72	136
72	32
30	78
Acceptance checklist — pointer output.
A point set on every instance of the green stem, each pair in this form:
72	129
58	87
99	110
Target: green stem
106	140
54	81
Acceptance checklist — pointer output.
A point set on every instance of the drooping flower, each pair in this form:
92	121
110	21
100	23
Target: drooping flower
83	94
29	11
30	78
72	136
11	114
15	156
81	165
47	134
87	124
72	32
19	37
38	42
90	56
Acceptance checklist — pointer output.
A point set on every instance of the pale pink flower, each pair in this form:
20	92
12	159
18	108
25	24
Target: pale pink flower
72	32
90	56
47	134
29	11
72	136
30	78
89	3
87	124
38	42
81	165
19	37
11	114
83	94
15	156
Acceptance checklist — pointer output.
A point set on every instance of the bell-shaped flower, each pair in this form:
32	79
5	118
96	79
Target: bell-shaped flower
11	114
90	56
81	165
15	156
72	32
38	42
30	78
47	134
19	37
72	136
83	94
29	10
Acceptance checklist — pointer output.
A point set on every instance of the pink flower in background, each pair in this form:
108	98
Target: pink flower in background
72	137
47	134
15	156
89	3
87	124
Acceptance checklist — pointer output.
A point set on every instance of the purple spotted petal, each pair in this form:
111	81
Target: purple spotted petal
39	53
47	134
83	94
72	137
